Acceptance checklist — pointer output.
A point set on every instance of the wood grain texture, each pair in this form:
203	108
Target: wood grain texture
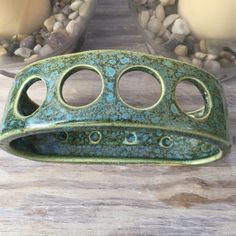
56	199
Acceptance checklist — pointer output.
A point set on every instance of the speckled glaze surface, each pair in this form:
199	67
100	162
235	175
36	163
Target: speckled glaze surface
108	130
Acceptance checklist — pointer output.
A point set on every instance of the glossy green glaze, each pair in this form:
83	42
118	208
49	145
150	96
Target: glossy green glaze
108	130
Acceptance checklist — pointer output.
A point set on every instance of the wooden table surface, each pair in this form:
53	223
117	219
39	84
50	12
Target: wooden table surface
64	199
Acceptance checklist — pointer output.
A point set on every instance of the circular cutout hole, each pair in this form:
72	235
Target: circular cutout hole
95	137
131	138
82	87
62	136
191	98
139	88
166	142
32	97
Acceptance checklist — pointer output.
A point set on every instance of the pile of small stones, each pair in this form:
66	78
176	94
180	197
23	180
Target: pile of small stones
171	36
66	22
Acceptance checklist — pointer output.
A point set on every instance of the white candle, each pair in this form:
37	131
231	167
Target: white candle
22	16
210	19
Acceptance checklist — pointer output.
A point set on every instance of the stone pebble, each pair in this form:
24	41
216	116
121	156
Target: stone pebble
197	62
45	50
226	55
154	25
3	51
37	48
142	2
181	27
49	23
212	66
60	17
57	39
144	17
168	30
74	27
76	5
167	2
66	21
181	50
203	46
57	26
200	55
84	10
28	42
160	12
73	15
23	52
169	20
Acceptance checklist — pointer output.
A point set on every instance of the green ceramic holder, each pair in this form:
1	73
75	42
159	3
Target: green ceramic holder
108	130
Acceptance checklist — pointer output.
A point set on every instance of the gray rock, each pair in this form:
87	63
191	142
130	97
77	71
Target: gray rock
158	41
49	23
57	39
203	46
65	22
169	20
60	17
225	62
74	27
28	42
84	9
57	26
76	5
160	12
169	46
149	34
66	10
166	35
200	55
197	62
226	55
161	31
37	48
181	27
144	17
212	66
23	52
45	51
73	15
154	25
181	50
166	2
211	57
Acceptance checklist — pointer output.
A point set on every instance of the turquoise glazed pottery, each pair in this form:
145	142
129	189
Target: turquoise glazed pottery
108	130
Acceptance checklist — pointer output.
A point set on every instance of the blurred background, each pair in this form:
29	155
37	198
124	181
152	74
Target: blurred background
64	199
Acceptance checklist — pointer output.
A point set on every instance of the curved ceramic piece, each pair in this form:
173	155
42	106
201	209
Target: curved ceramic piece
108	130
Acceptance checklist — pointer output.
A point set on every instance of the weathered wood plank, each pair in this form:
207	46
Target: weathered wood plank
55	199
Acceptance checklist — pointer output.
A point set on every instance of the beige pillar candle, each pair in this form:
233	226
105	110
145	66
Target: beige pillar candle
22	16
210	19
